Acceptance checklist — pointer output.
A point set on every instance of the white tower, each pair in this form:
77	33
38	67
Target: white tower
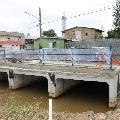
63	23
103	31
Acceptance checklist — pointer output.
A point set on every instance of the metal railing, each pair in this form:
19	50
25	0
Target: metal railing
87	55
20	55
72	56
30	54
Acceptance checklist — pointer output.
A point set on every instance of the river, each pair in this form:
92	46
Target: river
87	96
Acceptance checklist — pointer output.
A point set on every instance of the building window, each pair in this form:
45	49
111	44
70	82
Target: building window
86	34
54	45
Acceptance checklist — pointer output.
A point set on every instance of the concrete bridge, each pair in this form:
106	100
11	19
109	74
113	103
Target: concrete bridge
61	77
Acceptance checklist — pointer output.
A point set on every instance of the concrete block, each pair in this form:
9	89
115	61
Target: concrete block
19	80
113	83
59	86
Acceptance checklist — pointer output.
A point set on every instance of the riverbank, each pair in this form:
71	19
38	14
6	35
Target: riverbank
36	113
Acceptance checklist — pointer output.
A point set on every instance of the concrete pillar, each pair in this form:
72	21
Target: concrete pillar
20	80
113	92
57	86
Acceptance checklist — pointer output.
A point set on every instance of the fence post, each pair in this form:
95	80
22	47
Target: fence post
110	57
21	56
72	56
43	56
4	56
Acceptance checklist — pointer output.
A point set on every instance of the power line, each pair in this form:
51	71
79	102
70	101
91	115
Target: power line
75	16
92	11
83	14
32	15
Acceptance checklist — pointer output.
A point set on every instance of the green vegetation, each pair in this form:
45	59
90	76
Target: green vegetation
22	113
111	34
49	33
115	33
19	109
116	22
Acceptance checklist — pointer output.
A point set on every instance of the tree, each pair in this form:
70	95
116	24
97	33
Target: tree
116	22
111	34
49	33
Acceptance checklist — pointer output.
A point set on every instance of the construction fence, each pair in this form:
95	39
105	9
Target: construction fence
24	54
85	51
81	55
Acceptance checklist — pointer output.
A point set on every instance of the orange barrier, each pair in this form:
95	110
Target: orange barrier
115	61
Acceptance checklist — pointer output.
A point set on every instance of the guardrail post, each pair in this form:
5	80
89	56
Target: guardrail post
43	56
110	57
72	57
21	56
4	56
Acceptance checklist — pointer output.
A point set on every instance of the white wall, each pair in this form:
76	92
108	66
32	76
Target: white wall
78	35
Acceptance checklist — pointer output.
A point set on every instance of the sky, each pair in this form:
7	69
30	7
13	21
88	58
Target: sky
14	19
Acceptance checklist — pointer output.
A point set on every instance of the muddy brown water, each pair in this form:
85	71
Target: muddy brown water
87	96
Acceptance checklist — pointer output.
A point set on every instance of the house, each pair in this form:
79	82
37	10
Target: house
29	41
12	40
50	42
82	33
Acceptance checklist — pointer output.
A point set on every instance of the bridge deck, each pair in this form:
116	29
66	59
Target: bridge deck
80	69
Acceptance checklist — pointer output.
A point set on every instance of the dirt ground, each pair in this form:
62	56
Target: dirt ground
27	114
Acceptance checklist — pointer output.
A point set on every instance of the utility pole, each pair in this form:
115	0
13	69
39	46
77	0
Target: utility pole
63	24
40	23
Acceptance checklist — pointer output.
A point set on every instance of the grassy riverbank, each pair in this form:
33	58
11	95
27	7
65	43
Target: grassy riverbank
36	113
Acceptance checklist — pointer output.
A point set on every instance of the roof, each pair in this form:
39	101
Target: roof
12	42
17	34
82	27
59	38
52	37
31	37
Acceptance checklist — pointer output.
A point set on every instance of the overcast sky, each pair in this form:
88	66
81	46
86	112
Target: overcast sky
14	18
